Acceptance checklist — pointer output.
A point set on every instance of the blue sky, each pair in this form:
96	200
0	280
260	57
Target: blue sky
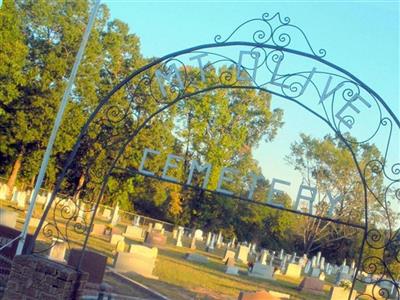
360	36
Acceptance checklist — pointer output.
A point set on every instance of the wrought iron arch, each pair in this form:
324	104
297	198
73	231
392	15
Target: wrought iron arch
270	45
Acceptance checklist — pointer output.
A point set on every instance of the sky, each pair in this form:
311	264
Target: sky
359	36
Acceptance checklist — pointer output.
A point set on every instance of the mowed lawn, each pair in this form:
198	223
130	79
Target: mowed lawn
180	279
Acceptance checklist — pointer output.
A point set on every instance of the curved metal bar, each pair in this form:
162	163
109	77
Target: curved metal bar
226	43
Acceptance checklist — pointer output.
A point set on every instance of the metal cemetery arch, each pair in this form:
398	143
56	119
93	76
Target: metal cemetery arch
109	129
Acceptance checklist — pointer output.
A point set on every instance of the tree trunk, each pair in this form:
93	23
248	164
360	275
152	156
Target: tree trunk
32	185
79	187
14	174
78	190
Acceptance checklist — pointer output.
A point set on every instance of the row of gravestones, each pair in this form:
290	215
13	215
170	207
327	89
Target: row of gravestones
265	265
141	259
314	268
131	257
21	198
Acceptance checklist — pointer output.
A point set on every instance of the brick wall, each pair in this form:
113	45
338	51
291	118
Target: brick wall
35	277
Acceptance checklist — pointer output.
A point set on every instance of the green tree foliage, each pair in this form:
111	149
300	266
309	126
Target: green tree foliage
328	165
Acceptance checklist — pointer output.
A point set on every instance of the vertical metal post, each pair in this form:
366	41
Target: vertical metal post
56	126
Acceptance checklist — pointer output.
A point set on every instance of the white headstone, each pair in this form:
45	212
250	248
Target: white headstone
314	262
219	239
107	213
281	254
322	263
136	220
307	268
57	251
3	192
253	248
158	226
8	218
179	238
212	242
262	271
208	241
198	234
242	253
115	216
263	256
319	258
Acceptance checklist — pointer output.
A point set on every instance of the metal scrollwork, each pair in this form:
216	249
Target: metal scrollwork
333	95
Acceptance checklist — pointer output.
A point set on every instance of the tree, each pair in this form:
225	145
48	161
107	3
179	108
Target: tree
13	53
328	165
51	32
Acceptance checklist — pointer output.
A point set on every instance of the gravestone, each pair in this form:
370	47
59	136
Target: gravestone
322	276
115	238
34	223
193	243
231	268
322	264
121	246
293	271
98	229
253	248
150	227
115	216
158	226
48	197
263	256
92	263
136	220
303	261
219	240
4	192
41	199
328	269
262	271
107	214
197	258
311	285
208	241
198	234
14	195
134	232
315	272
8	218
340	293
258	295
174	233
281	254
210	247
179	238
242	254
155	238
21	199
343	273
231	244
283	262
228	254
81	215
318	262
140	260
57	251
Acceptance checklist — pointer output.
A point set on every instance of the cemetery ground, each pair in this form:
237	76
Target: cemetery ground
178	278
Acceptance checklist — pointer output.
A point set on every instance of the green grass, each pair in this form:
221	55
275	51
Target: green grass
180	279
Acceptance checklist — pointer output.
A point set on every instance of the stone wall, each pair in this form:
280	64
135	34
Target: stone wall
35	277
